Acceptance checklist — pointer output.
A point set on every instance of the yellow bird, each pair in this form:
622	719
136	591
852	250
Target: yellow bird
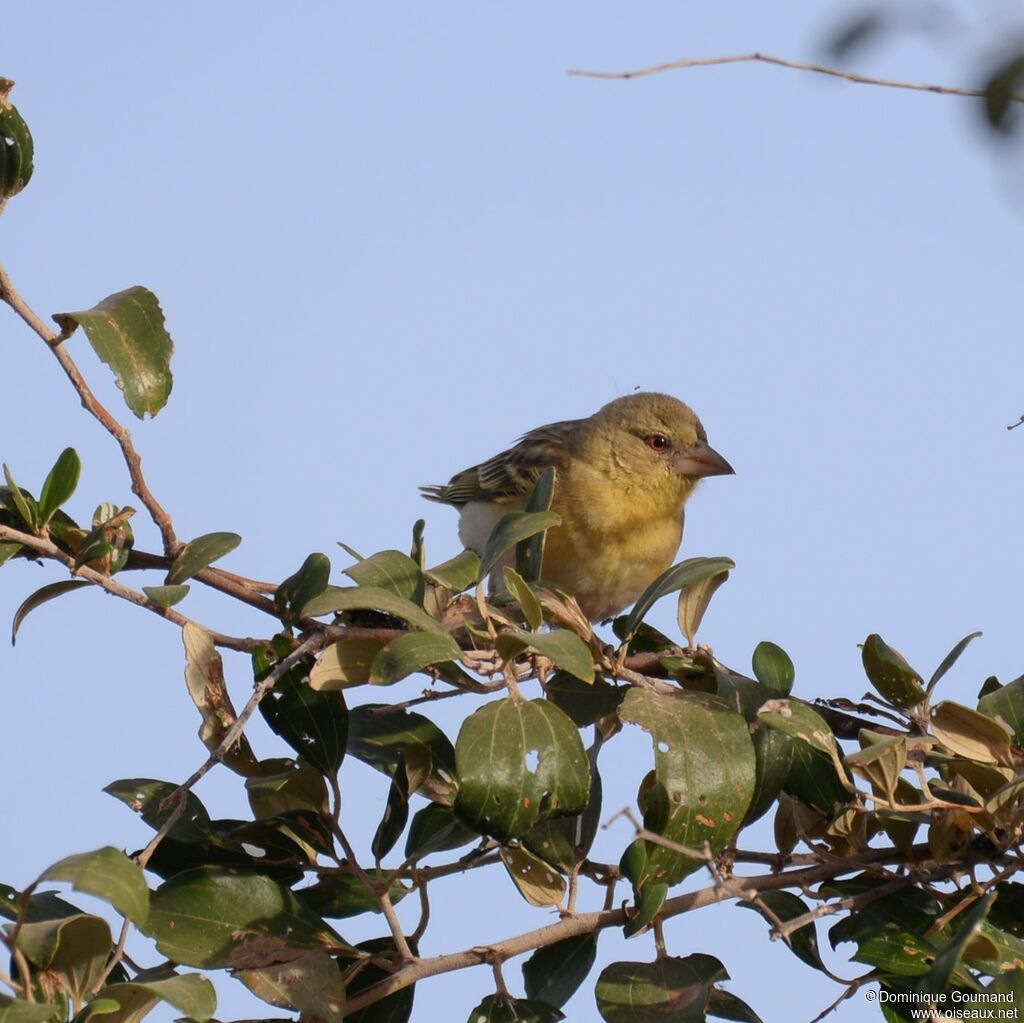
622	478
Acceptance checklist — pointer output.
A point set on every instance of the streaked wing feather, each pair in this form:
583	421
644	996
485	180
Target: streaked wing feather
511	473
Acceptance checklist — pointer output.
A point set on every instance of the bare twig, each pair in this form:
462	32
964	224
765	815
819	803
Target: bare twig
799	65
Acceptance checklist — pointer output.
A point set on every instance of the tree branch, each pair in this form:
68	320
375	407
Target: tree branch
92	404
799	65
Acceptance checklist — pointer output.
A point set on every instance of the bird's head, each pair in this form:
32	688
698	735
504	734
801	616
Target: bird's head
651	442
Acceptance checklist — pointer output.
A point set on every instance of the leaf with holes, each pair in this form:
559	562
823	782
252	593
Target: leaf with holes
538	882
703	779
518	763
127	332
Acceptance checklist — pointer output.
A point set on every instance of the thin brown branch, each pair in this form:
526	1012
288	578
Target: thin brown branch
234	733
48	549
56	343
799	65
588	923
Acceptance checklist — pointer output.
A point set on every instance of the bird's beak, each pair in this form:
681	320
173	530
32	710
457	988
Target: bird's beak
701	460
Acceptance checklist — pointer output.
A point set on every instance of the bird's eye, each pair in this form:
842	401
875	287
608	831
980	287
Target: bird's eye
656	441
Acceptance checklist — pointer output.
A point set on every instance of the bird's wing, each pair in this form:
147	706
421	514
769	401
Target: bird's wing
512	473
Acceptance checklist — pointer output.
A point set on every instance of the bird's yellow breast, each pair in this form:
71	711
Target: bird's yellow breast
612	542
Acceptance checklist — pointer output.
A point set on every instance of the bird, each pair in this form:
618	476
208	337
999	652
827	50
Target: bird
622	477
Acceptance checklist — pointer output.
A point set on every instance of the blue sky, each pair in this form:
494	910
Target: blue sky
390	238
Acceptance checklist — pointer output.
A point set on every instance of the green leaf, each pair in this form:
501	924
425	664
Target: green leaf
188	993
685	574
435	828
671	988
1006	703
650	898
1003	85
512	528
458	573
15	166
392	571
798	721
584	702
554	973
291	788
967	733
20	1011
950	659
8	551
40	597
75	947
109	875
530	552
405	655
523	593
703	779
786	906
396	809
60	484
204	677
199	553
371	598
538	882
210	917
395	1008
889	673
506	1009
563	648
147	796
314	724
343	895
24	504
519	763
565	841
312	985
943	969
693	603
773	668
307	583
126	330
773	756
166	596
345	663
381	735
